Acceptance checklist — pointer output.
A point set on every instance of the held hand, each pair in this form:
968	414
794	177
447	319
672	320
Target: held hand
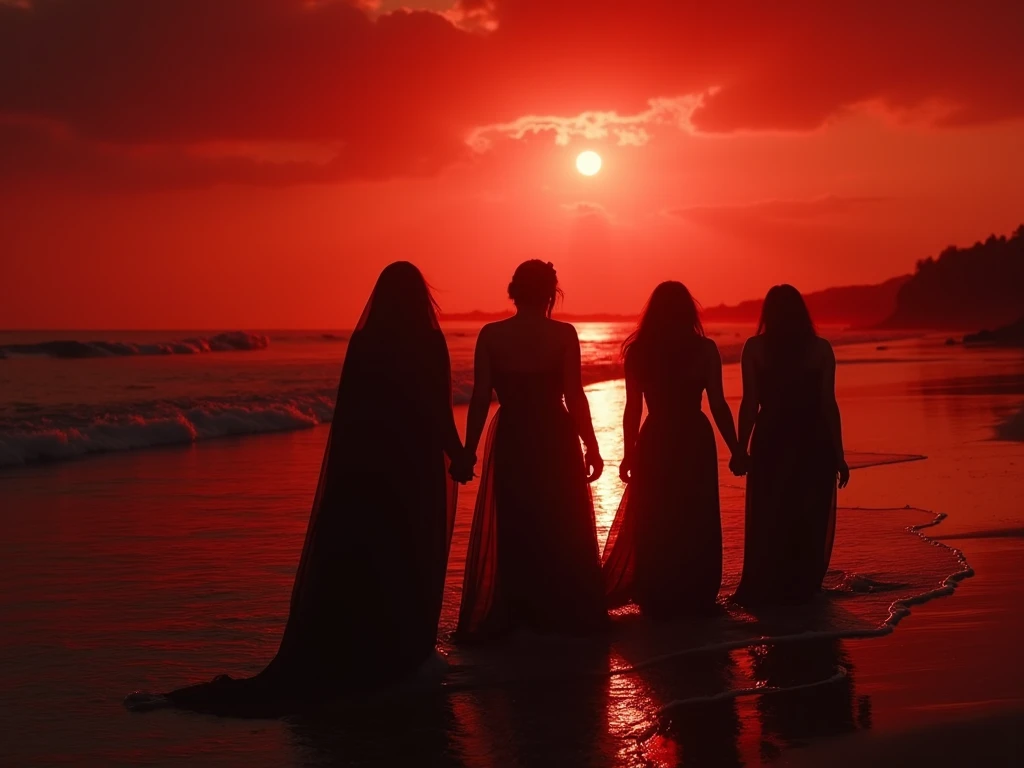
594	464
461	468
844	473
739	464
625	469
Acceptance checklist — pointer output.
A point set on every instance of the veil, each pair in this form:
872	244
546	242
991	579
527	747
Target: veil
372	340
394	395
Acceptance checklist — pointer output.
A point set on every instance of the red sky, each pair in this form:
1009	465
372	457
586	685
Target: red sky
255	163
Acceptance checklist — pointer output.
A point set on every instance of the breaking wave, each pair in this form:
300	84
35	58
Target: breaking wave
32	436
161	423
70	349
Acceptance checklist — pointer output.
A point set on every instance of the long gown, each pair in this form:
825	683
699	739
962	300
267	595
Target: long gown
664	549
791	489
369	586
533	558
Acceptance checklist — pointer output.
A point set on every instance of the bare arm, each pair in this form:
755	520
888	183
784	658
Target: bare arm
631	420
751	398
480	402
720	410
831	408
578	405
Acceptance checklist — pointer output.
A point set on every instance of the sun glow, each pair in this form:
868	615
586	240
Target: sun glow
588	163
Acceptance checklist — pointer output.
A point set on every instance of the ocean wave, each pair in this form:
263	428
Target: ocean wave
158	424
71	349
32	435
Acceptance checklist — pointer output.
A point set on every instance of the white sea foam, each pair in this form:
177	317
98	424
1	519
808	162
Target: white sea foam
157	424
56	435
898	610
642	645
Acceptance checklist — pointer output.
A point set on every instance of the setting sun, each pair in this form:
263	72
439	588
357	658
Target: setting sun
588	163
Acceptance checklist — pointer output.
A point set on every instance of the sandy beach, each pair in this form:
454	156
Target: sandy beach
150	569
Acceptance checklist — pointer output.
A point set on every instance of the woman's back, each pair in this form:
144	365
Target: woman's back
791	484
533	559
664	549
527	362
789	386
673	377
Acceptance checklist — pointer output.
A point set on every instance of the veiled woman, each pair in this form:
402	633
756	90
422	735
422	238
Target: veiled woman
367	594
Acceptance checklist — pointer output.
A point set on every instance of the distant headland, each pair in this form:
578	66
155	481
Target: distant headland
979	286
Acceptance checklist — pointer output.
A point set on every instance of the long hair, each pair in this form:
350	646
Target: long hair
535	284
401	301
670	315
785	320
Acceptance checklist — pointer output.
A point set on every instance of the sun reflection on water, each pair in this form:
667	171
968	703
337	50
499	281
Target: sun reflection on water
607	401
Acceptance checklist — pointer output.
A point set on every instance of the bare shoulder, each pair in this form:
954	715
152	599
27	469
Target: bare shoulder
710	347
489	331
753	348
566	331
823	350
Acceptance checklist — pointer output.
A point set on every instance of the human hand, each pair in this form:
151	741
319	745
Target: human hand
844	473
739	464
461	468
625	469
594	464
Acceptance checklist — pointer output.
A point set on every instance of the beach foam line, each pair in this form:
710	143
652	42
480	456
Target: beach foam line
651	730
898	609
866	459
997	533
841	673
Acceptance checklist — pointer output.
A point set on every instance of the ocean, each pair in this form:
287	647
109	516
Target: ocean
142	552
65	395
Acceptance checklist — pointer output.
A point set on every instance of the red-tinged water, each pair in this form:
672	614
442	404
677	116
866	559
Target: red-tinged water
149	569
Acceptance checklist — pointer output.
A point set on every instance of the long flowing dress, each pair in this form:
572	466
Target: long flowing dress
664	549
367	596
791	488
533	558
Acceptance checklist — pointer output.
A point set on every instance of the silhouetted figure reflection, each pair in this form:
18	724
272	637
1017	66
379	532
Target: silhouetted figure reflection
533	557
398	731
816	697
664	550
790	406
706	730
367	594
558	722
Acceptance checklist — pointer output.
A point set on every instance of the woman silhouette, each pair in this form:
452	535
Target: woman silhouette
367	594
533	559
789	404
664	550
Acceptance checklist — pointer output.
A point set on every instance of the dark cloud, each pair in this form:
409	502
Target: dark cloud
399	93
